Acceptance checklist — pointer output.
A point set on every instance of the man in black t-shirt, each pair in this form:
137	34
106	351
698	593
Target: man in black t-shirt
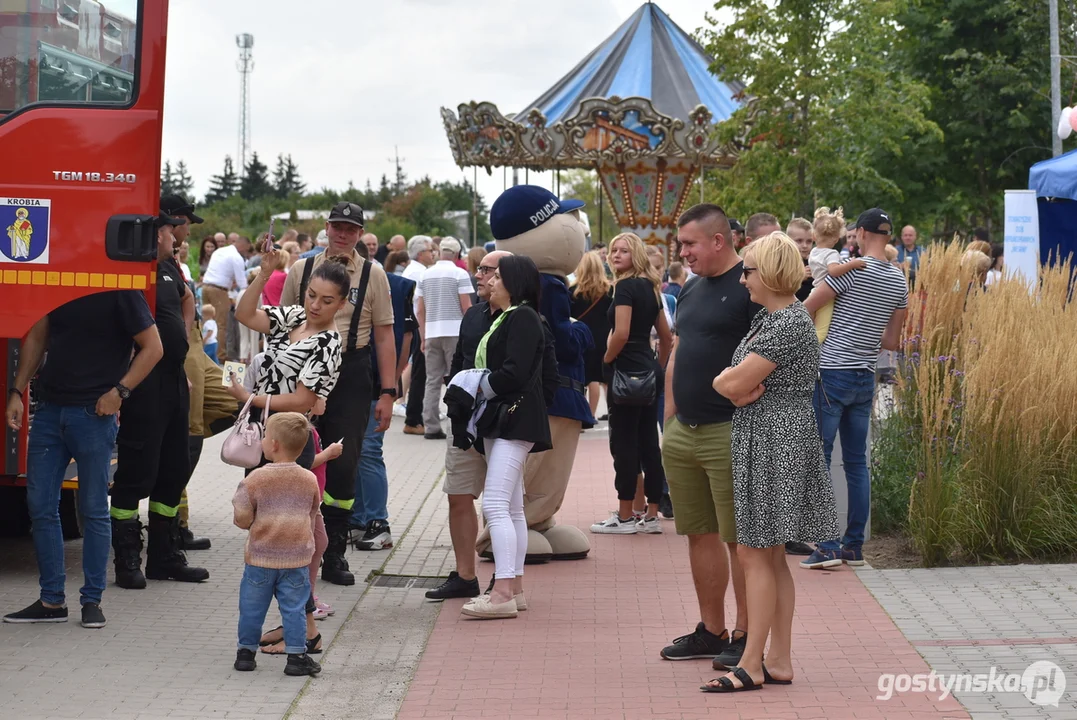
152	447
714	313
88	374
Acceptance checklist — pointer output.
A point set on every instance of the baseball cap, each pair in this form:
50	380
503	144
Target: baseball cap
450	244
525	207
164	219
177	206
347	212
875	221
734	224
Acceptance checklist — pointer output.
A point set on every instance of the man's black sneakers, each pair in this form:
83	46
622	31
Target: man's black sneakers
731	657
92	617
454	587
700	645
245	661
38	613
376	537
300	665
665	507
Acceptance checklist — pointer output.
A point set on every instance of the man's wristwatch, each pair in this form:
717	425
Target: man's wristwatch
391	392
123	390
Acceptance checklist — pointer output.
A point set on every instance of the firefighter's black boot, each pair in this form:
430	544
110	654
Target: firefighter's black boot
189	541
164	558
127	544
334	566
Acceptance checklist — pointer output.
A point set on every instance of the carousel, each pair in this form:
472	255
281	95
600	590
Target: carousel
639	110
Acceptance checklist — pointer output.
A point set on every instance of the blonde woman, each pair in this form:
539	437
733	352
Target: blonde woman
591	300
275	285
781	487
636	308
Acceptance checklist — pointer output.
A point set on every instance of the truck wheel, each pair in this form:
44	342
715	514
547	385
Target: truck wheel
70	518
14	517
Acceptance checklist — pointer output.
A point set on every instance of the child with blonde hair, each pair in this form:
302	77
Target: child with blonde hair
278	504
824	261
209	332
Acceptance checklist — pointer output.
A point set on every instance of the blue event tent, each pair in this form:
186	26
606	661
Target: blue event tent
648	56
1055	183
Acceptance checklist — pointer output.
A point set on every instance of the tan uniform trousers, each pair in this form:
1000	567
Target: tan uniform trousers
220	301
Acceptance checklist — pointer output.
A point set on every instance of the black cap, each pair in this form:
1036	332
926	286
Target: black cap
177	206
163	220
347	212
875	221
735	225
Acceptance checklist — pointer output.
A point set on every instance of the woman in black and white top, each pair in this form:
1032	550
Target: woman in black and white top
634	444
513	349
303	348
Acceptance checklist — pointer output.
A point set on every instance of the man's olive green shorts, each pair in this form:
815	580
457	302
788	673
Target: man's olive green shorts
699	470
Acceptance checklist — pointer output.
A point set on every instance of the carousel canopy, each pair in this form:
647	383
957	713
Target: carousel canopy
651	57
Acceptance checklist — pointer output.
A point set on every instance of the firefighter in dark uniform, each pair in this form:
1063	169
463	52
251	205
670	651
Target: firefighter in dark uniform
152	451
347	409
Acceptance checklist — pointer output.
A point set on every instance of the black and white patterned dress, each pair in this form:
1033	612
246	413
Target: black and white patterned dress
781	487
313	361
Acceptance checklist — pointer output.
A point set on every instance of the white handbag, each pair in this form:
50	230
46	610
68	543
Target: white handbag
243	446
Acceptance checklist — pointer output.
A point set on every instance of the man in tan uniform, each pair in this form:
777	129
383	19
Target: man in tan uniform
347	409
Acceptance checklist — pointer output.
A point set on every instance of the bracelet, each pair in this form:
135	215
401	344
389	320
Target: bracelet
16	391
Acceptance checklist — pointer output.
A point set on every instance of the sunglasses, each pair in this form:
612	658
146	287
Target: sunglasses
747	271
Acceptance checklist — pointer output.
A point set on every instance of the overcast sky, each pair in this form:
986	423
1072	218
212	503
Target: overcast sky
340	83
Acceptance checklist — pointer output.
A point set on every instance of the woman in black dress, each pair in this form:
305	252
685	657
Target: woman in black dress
513	350
591	299
634	444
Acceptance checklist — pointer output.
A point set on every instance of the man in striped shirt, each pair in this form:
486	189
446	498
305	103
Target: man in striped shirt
442	296
869	311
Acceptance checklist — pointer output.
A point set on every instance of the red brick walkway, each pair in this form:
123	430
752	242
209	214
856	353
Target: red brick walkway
588	646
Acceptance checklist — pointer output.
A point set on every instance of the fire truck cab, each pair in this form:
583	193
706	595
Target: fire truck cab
81	105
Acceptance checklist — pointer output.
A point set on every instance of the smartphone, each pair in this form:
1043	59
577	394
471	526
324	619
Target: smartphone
269	240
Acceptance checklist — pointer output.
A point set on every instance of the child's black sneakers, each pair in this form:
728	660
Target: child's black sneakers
245	661
301	665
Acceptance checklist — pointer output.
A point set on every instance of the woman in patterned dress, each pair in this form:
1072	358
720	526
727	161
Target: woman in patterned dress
781	487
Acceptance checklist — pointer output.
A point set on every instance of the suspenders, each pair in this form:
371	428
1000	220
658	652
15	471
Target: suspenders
360	297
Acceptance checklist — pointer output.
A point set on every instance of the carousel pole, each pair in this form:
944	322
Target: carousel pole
701	168
599	186
474	208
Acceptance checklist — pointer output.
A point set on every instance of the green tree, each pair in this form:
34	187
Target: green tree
183	184
255	182
827	100
584	185
987	64
223	186
168	179
286	177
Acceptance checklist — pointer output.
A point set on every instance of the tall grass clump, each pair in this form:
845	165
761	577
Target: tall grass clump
986	416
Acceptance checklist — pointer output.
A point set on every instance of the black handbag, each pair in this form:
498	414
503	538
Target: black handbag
633	388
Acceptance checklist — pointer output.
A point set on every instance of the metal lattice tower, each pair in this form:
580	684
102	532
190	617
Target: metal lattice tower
245	65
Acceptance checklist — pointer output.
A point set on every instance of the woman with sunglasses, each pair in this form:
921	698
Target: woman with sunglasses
781	487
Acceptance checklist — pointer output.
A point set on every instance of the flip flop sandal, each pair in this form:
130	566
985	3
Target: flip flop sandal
725	685
313	646
771	681
263	643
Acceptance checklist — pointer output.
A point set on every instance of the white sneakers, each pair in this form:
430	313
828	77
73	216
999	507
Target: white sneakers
614	525
483	609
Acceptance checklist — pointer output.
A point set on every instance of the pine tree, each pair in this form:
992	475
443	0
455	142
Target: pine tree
168	179
385	192
223	186
286	177
182	183
255	182
280	180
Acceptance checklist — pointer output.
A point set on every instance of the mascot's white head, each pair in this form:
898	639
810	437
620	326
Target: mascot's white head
532	221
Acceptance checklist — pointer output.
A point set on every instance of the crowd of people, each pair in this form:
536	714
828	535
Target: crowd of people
727	376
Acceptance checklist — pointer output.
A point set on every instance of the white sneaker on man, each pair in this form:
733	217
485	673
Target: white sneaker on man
648	526
614	525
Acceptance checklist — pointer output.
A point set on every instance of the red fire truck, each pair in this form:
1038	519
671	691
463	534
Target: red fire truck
81	101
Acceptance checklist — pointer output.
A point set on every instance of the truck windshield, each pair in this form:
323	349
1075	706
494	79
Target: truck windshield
63	52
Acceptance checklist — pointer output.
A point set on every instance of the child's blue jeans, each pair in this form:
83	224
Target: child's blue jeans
211	351
291	587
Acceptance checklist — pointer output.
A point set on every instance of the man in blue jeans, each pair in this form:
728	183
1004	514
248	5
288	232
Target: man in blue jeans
869	310
88	374
370	512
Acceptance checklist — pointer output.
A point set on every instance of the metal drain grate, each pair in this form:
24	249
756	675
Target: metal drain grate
406	582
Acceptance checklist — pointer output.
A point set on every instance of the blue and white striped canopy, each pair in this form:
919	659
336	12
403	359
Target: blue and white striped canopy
649	56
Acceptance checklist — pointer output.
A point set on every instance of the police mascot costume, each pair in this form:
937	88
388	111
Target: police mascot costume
531	221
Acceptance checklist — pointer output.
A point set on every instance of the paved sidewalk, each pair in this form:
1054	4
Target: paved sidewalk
167	651
588	645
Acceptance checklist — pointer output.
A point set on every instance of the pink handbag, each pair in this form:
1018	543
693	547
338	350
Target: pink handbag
243	446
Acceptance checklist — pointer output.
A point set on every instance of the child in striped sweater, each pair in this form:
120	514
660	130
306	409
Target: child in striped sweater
278	504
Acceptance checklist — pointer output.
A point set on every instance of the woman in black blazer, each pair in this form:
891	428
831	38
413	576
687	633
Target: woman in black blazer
512	350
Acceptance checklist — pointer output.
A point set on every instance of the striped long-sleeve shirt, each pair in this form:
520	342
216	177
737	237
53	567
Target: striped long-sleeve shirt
277	504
